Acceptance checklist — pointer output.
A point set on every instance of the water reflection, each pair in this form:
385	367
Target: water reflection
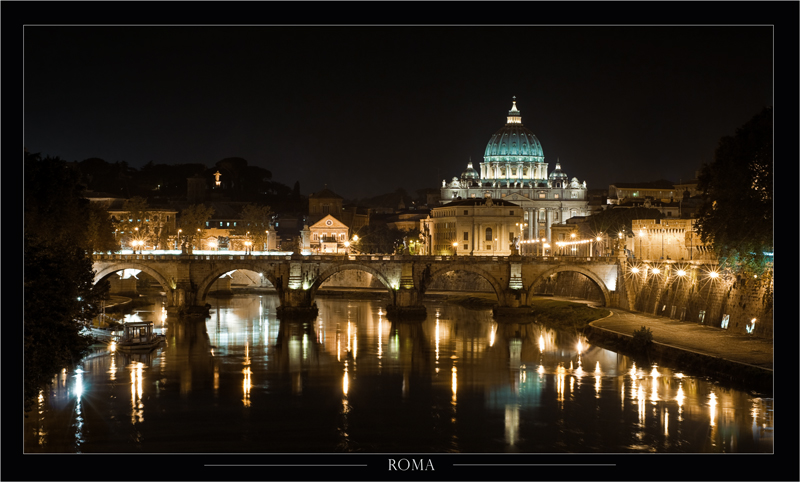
351	380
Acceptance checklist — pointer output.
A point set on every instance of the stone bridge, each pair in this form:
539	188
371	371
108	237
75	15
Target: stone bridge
187	278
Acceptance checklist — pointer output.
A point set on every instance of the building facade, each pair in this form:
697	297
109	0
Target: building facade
475	227
329	235
514	169
663	239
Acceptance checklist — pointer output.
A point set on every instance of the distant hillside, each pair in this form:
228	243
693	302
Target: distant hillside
388	200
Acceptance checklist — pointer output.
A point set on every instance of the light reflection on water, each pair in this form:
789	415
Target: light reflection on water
352	380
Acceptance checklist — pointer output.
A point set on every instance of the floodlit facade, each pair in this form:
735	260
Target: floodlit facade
514	169
328	235
475	227
675	239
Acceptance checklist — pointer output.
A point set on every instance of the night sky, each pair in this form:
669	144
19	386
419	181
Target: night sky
369	109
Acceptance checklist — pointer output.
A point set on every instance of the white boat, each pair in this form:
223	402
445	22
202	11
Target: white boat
138	336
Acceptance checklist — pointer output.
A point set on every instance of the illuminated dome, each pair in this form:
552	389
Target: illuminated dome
470	173
558	173
514	142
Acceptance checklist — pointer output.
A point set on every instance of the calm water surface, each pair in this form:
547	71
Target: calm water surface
353	381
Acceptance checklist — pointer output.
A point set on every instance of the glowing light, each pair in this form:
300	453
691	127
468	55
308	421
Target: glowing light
541	343
656	271
455	382
712	402
634	270
713	274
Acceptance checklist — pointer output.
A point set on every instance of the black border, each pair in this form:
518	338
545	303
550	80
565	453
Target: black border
782	465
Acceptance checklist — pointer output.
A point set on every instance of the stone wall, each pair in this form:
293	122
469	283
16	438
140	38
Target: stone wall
570	284
698	299
353	278
460	281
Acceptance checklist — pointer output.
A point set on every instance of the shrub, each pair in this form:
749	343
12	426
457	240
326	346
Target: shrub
642	339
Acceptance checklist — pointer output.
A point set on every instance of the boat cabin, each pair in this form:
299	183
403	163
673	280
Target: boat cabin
137	332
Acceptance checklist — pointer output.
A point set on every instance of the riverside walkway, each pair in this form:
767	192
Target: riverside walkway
692	337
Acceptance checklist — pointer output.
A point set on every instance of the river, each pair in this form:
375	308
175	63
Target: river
352	381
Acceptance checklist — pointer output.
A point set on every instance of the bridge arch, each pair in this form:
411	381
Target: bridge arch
264	269
323	276
498	287
113	268
578	269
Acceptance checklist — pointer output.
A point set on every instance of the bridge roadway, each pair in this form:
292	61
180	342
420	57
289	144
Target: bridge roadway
187	278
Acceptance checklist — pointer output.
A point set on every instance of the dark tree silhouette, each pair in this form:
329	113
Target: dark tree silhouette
736	215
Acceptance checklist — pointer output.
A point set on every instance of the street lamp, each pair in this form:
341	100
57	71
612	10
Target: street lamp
247	247
455	248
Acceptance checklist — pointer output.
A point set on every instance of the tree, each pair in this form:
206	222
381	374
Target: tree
381	239
100	230
736	214
255	223
193	221
59	295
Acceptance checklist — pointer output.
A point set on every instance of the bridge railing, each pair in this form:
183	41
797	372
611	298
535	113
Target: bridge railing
360	258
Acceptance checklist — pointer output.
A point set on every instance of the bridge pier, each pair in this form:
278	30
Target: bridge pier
406	305
296	303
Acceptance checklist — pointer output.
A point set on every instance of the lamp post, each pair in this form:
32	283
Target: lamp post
247	249
455	248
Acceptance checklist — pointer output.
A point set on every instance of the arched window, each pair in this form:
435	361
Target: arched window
488	234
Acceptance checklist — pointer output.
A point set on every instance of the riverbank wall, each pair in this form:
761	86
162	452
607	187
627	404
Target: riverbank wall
738	304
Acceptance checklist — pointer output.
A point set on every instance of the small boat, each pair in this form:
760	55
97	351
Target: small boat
138	336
